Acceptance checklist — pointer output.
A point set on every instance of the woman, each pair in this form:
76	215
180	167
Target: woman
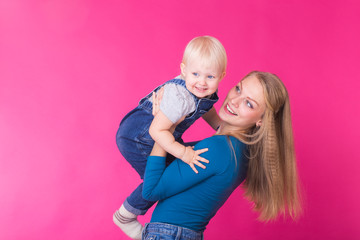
254	144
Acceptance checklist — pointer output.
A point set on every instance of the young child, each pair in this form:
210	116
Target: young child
185	99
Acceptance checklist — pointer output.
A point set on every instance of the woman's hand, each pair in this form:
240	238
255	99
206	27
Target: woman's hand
156	97
192	158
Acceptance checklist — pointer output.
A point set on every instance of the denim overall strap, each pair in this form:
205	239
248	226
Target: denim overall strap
144	103
203	105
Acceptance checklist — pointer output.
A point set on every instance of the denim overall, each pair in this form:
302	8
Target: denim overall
135	143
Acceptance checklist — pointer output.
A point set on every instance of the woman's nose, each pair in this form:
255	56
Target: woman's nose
236	100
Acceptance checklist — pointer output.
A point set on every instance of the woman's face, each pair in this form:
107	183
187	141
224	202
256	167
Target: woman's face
244	104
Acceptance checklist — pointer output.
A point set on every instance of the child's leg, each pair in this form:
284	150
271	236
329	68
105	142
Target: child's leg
136	204
128	223
126	216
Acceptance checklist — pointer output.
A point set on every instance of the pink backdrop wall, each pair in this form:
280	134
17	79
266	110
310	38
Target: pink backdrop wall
71	69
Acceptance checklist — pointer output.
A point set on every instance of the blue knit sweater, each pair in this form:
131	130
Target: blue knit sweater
188	199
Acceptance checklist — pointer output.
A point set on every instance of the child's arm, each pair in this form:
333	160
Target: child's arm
160	131
212	118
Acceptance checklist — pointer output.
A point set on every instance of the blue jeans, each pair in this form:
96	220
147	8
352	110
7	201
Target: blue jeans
164	231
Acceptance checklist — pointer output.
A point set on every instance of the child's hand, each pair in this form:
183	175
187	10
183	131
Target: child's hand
192	157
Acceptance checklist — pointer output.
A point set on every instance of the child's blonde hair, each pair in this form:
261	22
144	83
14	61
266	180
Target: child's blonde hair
207	50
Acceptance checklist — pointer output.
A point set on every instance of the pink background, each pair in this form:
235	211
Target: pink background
71	69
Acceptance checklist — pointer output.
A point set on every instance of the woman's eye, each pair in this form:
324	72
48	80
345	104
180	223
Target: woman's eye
195	74
237	88
249	104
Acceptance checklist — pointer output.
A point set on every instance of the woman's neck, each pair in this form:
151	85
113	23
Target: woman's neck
226	129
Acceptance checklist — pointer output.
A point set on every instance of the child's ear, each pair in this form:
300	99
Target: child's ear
182	68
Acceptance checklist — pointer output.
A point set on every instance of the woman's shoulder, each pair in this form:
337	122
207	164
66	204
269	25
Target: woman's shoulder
220	143
221	150
221	139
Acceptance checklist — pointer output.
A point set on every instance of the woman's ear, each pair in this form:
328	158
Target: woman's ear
258	123
222	76
182	68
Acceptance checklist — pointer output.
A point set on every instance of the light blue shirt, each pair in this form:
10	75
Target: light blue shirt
188	199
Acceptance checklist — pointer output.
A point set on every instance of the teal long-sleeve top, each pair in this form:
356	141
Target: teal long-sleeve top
188	199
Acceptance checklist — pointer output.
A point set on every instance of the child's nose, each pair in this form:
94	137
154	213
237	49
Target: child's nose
202	80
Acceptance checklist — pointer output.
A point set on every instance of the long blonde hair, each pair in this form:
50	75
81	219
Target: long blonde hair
272	181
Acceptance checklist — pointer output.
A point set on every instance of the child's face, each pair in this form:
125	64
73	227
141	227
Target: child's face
200	79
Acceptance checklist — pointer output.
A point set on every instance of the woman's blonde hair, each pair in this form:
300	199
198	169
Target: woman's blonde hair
272	181
208	50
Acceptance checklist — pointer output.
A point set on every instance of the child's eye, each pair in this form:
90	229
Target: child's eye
195	74
211	77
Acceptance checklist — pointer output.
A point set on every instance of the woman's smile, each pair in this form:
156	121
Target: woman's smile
229	110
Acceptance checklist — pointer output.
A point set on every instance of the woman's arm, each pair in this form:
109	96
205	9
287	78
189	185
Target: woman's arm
162	182
212	118
158	151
